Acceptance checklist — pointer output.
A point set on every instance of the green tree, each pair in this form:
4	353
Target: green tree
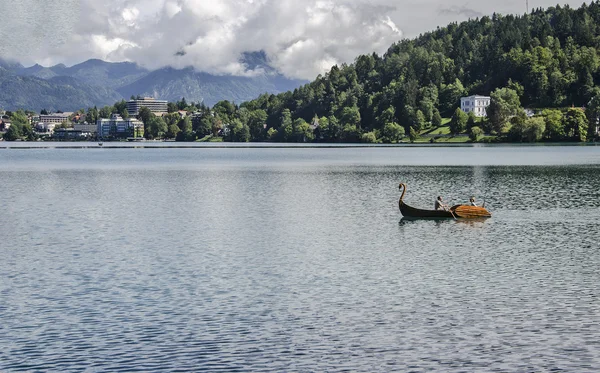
285	128
172	131
351	116
302	131
272	134
322	131
419	121
335	129
238	131
216	125
475	133
450	96
350	133
535	129
504	104
185	124
458	124
257	120
436	120
387	116
105	112
369	137
182	105
576	125
471	120
392	132
555	130
427	108
13	133
205	126
413	135
171	118
157	127
145	115
92	115
172	107
526	129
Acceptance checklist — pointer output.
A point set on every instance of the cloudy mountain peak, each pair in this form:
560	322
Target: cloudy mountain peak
98	83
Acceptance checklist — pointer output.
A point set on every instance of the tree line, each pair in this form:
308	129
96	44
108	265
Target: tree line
544	60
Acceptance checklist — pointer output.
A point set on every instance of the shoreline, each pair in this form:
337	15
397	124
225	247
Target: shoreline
265	145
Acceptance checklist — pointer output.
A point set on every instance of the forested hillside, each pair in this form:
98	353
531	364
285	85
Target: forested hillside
549	58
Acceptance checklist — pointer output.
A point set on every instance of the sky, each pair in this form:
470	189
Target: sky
302	38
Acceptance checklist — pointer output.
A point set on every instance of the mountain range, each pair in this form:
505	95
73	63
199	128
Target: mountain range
98	83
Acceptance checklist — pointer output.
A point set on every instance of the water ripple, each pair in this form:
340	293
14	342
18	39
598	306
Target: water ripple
299	269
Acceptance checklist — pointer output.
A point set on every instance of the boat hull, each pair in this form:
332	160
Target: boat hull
455	212
412	212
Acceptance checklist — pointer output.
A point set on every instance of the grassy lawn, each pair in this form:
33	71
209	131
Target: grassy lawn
210	138
443	130
455	139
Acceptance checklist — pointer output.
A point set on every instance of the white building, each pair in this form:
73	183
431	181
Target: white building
475	104
45	127
155	106
85	127
116	126
56	118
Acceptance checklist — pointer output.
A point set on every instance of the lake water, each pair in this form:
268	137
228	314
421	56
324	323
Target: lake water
298	260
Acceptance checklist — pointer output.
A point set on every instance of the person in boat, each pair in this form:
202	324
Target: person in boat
472	202
439	204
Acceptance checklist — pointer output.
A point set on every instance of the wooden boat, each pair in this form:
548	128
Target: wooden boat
455	212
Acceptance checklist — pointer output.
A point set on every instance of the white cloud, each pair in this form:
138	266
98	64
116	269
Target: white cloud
302	39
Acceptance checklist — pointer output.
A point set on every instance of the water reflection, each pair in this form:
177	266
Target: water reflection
439	221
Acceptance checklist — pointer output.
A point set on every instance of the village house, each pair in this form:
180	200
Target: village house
476	104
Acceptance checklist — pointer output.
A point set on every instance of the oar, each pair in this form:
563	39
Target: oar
450	211
454	216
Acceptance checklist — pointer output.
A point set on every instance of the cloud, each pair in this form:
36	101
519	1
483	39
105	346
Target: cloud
460	10
300	38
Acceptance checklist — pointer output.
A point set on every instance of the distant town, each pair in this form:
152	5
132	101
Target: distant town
147	118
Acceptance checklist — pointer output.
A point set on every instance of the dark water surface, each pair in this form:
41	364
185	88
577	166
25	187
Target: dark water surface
285	260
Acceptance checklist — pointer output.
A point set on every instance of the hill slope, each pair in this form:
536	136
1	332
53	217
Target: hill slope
549	56
56	93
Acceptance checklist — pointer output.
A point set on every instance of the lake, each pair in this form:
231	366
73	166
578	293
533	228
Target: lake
270	259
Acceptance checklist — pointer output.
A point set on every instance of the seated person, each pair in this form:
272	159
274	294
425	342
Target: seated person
472	201
439	204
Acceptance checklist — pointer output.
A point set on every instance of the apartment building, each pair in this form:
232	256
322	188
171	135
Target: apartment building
117	127
155	106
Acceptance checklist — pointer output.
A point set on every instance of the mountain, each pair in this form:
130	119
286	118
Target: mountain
55	93
37	71
173	84
96	82
104	74
10	65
